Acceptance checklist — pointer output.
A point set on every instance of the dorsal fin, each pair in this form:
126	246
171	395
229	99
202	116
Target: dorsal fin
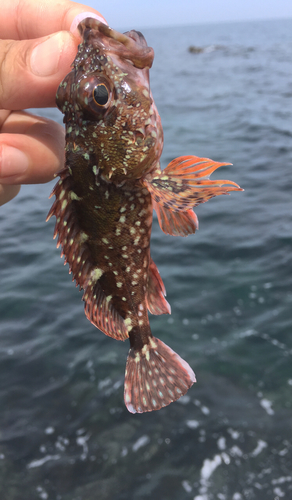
98	307
102	314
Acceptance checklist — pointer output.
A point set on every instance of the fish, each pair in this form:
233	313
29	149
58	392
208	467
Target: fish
104	201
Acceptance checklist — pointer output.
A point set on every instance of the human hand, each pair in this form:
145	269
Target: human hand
36	52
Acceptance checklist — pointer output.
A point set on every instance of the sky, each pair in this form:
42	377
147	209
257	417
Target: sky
137	14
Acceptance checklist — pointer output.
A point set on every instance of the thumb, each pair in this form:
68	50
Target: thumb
42	64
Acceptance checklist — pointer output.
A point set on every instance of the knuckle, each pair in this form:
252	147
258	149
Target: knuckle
12	69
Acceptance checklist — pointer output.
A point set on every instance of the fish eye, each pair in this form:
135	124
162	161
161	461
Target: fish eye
100	94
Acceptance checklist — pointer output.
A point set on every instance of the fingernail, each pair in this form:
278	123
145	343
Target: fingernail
44	60
84	15
12	162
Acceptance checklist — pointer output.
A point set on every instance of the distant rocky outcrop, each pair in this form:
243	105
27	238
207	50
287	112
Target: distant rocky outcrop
195	49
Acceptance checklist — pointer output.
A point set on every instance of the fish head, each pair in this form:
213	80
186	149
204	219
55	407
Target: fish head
109	110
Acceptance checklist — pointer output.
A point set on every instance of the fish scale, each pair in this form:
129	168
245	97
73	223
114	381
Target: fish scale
104	204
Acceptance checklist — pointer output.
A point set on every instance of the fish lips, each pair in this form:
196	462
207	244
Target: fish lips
130	46
128	51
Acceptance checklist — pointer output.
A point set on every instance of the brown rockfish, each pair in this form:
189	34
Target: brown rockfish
104	203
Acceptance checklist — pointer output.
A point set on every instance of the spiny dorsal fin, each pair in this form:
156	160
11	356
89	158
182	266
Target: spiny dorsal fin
98	308
102	314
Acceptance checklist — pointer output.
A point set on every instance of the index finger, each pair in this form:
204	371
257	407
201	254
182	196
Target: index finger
26	19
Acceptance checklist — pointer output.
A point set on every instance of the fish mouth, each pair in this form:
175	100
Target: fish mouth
130	46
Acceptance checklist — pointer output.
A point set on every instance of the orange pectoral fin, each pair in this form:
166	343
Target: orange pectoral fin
176	223
185	183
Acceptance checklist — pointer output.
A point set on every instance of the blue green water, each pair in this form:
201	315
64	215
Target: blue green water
65	433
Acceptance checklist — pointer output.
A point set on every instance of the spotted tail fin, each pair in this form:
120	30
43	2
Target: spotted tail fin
155	377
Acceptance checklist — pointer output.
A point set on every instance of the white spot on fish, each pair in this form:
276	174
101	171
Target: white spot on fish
128	323
74	196
83	237
96	274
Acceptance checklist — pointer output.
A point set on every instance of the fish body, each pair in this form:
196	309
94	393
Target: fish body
104	203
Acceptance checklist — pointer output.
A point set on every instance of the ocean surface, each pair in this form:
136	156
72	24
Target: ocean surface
65	433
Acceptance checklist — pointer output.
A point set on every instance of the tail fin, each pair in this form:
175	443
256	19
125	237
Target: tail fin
155	377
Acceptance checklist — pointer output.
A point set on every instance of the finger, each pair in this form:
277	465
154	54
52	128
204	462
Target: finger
26	19
31	70
7	193
31	149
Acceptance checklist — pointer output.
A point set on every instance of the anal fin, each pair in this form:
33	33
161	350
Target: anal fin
156	302
155	377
